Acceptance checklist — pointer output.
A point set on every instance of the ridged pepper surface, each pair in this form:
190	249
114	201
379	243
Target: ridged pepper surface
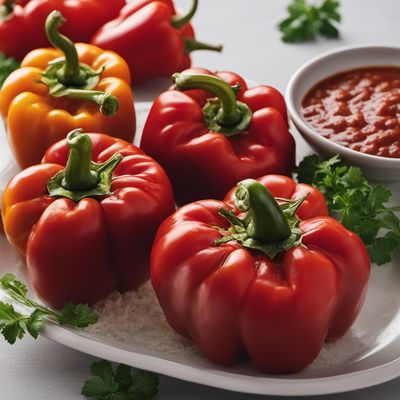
207	144
85	219
152	38
248	277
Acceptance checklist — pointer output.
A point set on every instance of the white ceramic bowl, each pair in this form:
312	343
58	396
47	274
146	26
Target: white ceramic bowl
328	64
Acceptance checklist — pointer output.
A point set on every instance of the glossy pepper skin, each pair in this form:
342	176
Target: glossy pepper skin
21	27
35	119
152	38
204	163
235	301
82	250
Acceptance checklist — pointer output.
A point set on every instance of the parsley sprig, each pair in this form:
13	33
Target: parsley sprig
121	384
306	21
14	325
361	207
7	65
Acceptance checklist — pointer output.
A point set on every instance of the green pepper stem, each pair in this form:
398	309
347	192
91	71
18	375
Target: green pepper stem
6	9
9	5
71	73
82	177
179	21
229	113
231	217
78	173
108	103
193	45
265	221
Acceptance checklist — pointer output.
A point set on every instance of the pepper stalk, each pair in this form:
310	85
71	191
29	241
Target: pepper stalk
179	21
266	226
6	9
82	177
226	115
70	78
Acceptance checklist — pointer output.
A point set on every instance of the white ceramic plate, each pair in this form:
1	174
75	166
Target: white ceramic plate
368	355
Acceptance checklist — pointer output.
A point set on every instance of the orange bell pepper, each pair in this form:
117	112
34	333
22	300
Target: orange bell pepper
64	88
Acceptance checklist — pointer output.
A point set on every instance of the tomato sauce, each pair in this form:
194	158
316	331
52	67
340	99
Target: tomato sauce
359	109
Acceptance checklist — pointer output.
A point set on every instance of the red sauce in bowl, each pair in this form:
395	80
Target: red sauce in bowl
359	109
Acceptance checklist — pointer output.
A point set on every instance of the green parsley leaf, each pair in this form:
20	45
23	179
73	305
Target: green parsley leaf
35	323
7	65
144	386
13	331
361	207
305	22
106	384
8	281
14	325
124	377
103	384
80	316
382	247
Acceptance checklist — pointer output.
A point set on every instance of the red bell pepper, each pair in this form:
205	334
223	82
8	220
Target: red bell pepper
207	144
87	228
22	22
152	38
256	279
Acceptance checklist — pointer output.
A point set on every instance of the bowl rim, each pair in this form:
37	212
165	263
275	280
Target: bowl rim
306	130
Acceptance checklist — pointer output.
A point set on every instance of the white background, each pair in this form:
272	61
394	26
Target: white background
43	370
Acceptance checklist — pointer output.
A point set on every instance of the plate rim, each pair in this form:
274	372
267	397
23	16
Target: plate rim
234	382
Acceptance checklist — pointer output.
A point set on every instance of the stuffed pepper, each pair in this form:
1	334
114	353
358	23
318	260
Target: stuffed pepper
85	219
22	21
63	88
270	278
152	38
212	131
